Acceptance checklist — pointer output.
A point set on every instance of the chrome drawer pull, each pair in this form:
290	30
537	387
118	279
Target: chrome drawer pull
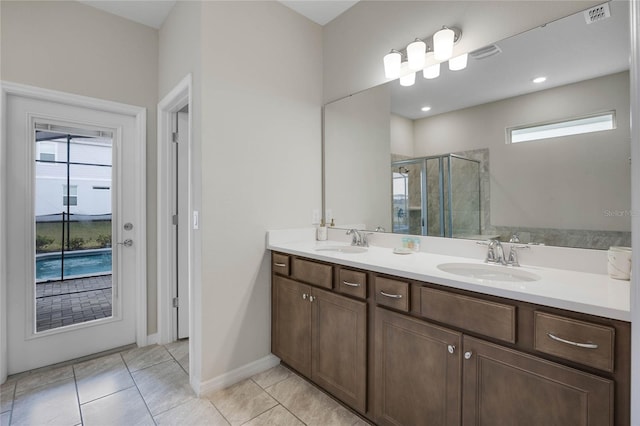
280	265
569	342
393	296
351	284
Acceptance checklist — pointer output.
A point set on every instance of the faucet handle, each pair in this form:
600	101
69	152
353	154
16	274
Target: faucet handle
513	254
365	238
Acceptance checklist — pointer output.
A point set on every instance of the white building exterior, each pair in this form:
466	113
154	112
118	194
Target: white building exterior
89	176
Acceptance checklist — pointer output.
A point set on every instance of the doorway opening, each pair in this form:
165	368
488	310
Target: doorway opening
177	220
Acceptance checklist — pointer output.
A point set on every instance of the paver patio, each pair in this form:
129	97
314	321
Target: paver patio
67	302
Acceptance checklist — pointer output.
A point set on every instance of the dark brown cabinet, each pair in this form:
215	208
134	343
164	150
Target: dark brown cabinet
502	386
323	336
417	372
404	352
291	323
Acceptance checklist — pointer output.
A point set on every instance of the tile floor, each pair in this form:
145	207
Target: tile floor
150	386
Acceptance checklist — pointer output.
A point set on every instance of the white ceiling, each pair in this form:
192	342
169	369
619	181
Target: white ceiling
319	11
153	12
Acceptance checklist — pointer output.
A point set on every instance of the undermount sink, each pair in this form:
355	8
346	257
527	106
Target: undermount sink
343	249
488	272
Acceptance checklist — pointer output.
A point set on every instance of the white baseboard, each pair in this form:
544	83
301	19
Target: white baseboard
152	339
241	373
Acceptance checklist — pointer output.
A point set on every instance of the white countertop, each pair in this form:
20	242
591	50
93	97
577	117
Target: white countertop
589	293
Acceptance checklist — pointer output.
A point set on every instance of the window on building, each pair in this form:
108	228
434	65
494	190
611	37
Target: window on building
47	151
574	126
70	198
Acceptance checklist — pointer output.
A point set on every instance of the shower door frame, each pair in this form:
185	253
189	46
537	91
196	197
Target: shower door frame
446	229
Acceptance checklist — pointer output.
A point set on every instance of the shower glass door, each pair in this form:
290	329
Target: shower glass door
408	197
73	206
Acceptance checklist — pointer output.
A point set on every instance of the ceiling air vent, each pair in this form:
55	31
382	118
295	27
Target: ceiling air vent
597	13
485	52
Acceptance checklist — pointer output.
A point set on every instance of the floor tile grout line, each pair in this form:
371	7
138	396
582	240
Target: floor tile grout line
144	401
13	401
176	359
277	400
75	382
106	395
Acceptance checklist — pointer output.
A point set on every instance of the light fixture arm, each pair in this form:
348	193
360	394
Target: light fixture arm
457	35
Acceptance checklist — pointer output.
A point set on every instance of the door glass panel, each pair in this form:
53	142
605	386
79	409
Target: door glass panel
73	207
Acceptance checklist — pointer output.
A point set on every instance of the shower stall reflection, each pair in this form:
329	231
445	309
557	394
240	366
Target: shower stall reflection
436	196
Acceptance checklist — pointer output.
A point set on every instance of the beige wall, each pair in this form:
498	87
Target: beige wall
567	182
401	136
357	147
261	97
74	48
356	41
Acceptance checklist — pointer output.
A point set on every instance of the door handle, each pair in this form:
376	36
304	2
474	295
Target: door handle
127	243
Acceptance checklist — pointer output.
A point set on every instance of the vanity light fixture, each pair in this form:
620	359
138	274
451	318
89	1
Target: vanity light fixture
407	77
392	61
432	71
539	80
459	62
416	54
426	55
443	44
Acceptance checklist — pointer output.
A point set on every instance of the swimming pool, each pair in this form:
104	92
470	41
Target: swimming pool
76	264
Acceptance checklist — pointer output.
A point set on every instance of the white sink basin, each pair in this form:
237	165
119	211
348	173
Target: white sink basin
489	272
343	249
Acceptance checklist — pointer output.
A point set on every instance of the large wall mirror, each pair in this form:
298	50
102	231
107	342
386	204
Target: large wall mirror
455	171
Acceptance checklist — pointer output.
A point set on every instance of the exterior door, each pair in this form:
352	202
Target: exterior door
72	174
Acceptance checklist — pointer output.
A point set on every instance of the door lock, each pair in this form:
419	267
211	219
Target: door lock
127	243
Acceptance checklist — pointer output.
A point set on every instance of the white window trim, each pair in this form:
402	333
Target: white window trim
557	124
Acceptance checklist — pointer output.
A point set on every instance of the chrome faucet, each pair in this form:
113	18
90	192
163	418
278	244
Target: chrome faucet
359	239
495	253
356	238
512	260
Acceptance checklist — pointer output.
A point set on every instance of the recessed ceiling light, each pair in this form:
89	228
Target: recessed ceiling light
539	79
426	108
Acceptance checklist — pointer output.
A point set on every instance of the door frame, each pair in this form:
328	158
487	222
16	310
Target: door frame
174	101
140	116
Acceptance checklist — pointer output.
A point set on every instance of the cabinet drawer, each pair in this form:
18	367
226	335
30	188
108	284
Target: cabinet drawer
312	272
492	319
353	283
579	341
280	264
392	293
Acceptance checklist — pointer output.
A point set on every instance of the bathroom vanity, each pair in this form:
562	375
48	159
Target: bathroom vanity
415	346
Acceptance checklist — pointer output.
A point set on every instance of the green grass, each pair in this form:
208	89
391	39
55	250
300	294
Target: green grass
88	231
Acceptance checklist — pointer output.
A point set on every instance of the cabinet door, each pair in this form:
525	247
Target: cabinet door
291	323
417	372
339	350
506	387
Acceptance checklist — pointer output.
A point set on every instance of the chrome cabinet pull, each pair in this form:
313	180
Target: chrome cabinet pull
311	298
304	296
569	342
351	284
451	348
280	265
393	296
467	355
